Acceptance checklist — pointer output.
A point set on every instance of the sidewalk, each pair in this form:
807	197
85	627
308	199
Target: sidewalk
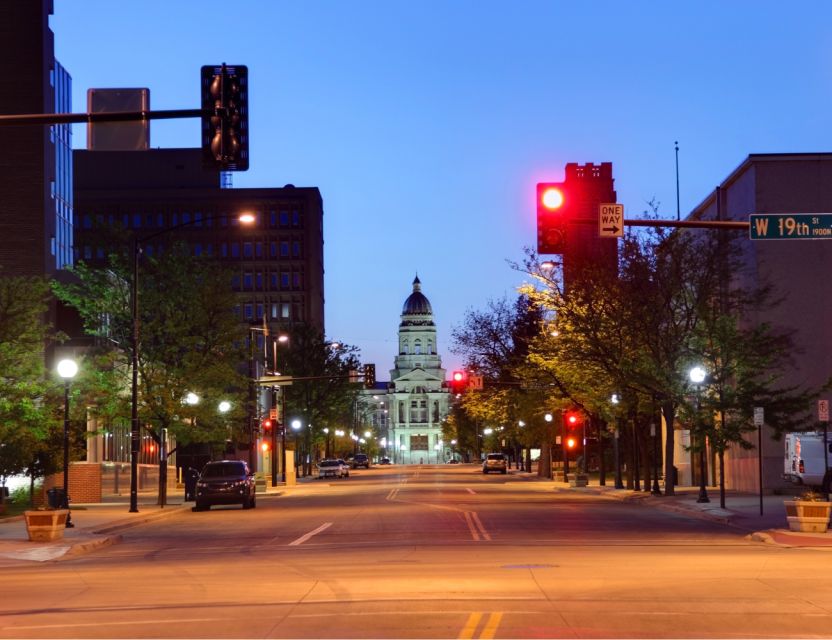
742	510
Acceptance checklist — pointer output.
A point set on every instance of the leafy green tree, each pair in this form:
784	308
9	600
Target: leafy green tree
27	393
191	342
330	394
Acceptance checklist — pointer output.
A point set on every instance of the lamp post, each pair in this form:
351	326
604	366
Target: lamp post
296	426
697	376
245	218
616	447
548	474
67	369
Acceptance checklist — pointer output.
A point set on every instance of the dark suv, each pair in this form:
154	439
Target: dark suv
361	460
225	482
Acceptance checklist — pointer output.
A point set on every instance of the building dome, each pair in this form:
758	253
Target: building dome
416	303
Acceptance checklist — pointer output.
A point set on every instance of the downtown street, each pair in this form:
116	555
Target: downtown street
424	552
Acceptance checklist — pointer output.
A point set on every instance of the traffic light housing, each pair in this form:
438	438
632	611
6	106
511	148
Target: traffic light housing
553	210
459	382
225	117
369	376
267	426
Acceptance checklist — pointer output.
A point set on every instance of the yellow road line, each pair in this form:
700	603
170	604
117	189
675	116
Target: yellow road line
477	521
470	522
470	626
491	625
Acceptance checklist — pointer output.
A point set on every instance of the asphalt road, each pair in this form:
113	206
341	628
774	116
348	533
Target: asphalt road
426	552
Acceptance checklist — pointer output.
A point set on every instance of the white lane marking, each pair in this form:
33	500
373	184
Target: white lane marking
305	537
116	623
469	490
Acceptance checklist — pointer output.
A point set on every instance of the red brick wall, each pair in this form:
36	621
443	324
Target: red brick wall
84	483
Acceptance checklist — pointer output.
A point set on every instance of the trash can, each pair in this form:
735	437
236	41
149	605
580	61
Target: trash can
57	499
191	476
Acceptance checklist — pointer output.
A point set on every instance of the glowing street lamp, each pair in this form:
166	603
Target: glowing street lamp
697	376
67	369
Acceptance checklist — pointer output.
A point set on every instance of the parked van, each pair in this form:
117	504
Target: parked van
804	461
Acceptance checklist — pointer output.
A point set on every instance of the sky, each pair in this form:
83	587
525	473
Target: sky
426	125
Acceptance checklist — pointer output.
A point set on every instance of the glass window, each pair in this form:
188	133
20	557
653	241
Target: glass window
197	249
273	249
148	220
272	218
224	250
284	279
259	315
296	280
247	281
198	219
235	249
284	310
186	217
248	312
258	249
248	250
174	220
295	218
137	220
273	281
284	218
87	221
235	282
274	310
296	249
259	281
160	220
284	249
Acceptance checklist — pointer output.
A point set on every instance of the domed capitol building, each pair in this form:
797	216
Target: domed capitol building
408	411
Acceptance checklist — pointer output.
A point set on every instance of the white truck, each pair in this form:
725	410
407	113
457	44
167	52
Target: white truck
804	461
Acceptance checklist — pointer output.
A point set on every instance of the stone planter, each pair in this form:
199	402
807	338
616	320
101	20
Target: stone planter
47	525
808	516
578	480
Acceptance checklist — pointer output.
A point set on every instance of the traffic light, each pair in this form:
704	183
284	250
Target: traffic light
553	208
571	443
225	117
459	382
267	426
369	376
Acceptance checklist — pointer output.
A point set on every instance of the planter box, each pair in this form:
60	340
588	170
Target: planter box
578	480
807	516
46	526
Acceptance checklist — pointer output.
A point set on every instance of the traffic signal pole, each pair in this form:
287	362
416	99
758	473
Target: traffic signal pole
91	118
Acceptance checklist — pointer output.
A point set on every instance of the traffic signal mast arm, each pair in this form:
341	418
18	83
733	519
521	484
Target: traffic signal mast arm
108	116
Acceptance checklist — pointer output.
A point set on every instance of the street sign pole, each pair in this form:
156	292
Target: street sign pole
823	416
759	419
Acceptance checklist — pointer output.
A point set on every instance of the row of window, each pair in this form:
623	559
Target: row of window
273	220
267	280
284	311
417	348
245	250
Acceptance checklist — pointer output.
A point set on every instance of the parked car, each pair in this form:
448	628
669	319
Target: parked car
453	461
495	462
345	466
361	460
385	461
225	482
330	468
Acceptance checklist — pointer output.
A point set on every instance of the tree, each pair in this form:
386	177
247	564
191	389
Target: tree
27	394
191	342
494	343
330	396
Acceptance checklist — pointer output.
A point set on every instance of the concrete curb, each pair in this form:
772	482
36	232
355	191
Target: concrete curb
129	523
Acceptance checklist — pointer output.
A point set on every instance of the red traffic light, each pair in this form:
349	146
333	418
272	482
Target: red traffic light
267	425
459	381
551	197
553	209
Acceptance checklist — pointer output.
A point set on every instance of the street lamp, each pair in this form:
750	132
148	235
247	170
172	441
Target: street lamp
697	376
67	369
616	447
245	218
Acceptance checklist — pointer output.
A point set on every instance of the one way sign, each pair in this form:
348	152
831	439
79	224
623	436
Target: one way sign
610	220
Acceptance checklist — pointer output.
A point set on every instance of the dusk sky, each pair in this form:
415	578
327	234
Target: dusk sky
426	125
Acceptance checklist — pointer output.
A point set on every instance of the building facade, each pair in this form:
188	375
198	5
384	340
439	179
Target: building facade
409	410
36	167
795	269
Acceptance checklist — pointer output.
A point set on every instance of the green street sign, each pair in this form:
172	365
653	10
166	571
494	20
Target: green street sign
790	226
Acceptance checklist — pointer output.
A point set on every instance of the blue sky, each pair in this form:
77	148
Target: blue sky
427	124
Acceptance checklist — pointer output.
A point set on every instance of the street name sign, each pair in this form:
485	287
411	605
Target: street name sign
823	410
790	226
610	220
